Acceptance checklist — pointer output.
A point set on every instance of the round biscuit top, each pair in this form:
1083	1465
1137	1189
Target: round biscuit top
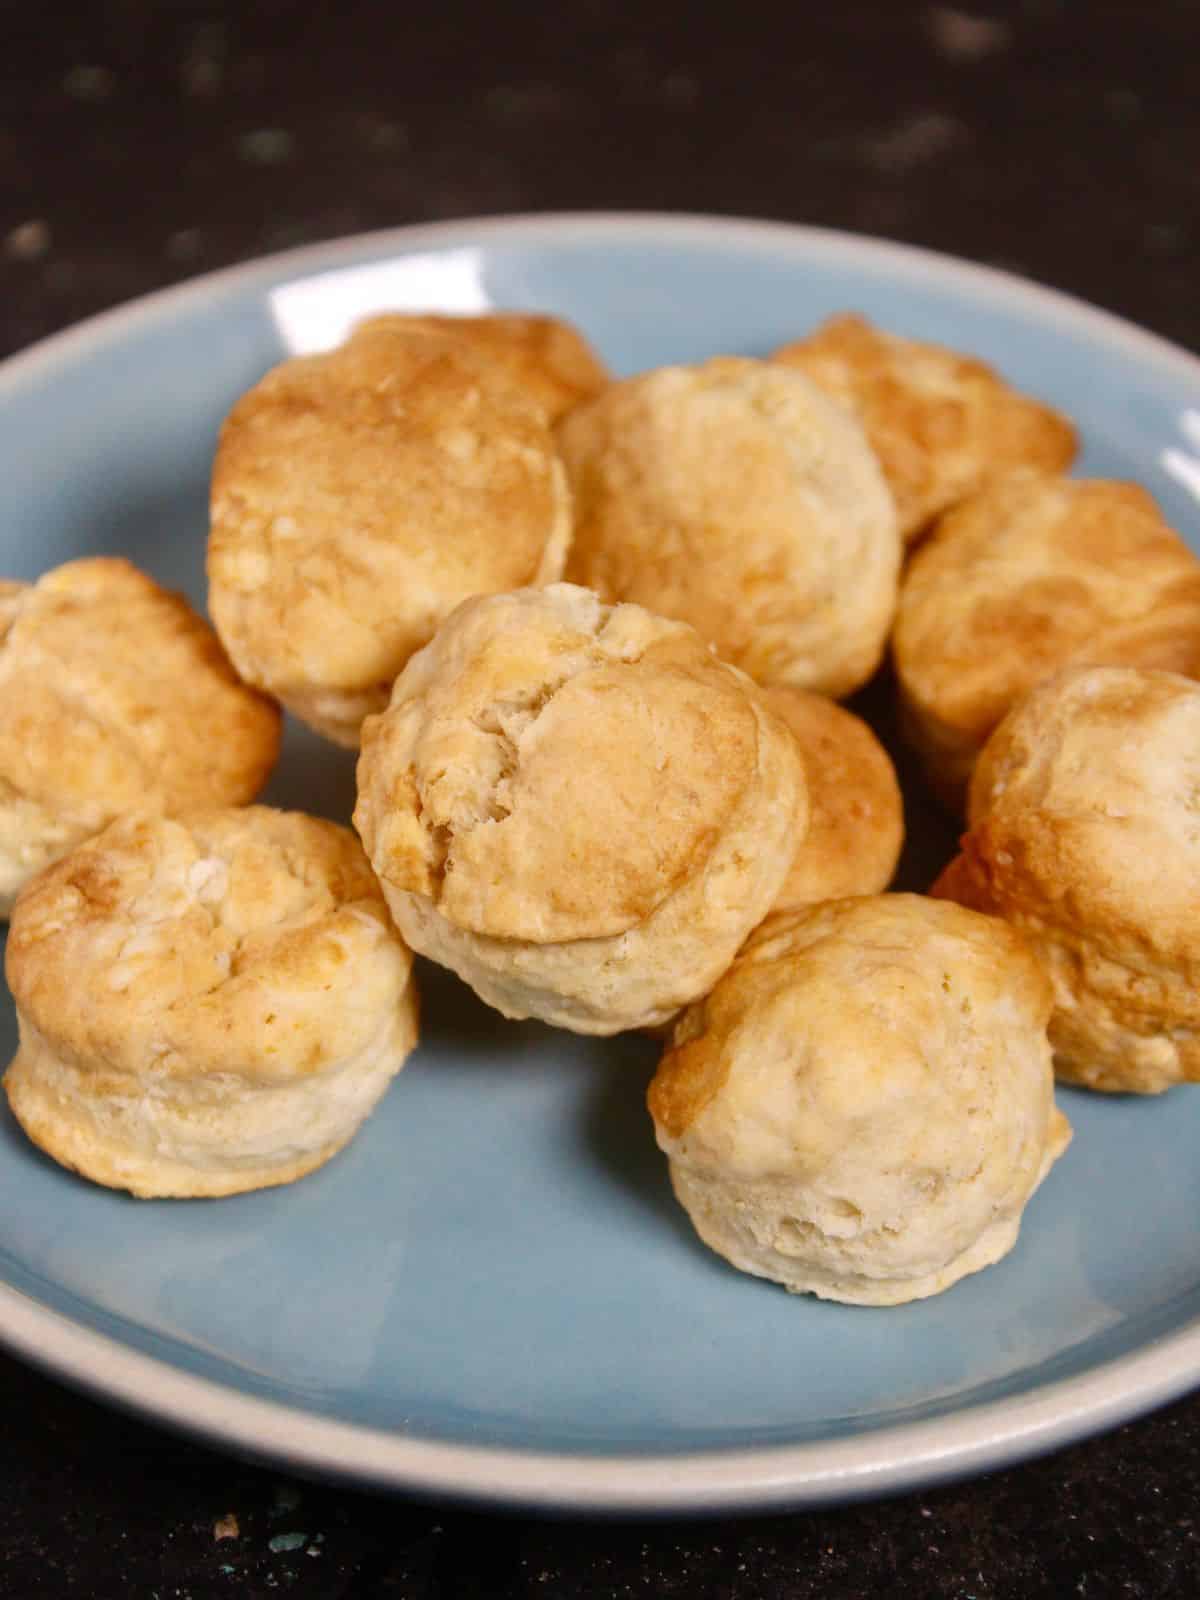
856	812
940	423
737	497
357	497
246	943
1033	574
548	359
115	695
551	768
863	1104
1084	815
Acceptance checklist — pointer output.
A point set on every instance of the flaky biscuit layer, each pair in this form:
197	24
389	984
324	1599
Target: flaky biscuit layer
1034	574
855	813
577	807
1083	834
357	497
205	1005
941	424
738	498
114	694
863	1105
548	359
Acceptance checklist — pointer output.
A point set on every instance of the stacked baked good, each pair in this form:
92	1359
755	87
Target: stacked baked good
624	801
578	808
864	1103
1030	575
206	1004
114	694
358	496
942	425
1083	834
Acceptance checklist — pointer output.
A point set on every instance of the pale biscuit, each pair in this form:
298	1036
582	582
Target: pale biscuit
114	694
941	424
737	497
1084	835
864	1104
206	1005
855	810
577	808
1034	574
357	497
545	357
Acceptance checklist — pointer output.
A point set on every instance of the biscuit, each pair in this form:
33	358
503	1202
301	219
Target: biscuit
736	497
206	1005
1083	834
941	424
855	811
577	808
545	357
357	497
114	694
1034	574
864	1104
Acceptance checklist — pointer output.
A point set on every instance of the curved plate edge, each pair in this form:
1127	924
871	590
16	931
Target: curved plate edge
907	260
980	1439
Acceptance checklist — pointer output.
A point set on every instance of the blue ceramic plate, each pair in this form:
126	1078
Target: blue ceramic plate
491	1293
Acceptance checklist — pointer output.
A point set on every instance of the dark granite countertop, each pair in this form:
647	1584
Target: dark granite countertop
142	143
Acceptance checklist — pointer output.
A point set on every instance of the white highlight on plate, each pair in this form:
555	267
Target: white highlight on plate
1183	468
315	314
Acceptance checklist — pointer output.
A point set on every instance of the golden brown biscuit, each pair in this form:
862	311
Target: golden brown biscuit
577	808
736	497
855	811
545	357
1083	834
941	424
357	497
114	694
1034	574
864	1104
206	1005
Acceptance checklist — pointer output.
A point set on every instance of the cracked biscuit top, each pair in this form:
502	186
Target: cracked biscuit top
578	808
251	944
554	769
357	497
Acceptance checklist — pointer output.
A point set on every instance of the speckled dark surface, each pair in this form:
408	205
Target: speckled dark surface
143	143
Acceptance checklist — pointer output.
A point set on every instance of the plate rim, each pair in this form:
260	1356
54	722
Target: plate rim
764	234
888	1459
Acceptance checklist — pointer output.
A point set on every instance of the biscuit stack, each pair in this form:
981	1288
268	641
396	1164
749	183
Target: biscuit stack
628	800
